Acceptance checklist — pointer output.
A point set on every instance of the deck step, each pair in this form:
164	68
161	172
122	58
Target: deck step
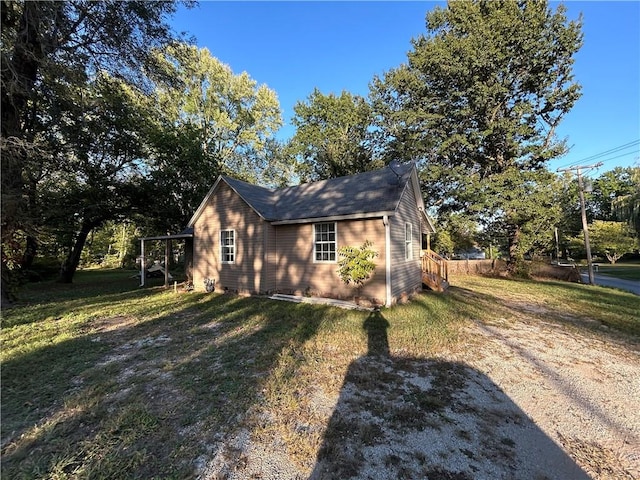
434	282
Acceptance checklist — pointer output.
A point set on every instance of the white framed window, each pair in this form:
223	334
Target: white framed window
325	243
408	241
228	246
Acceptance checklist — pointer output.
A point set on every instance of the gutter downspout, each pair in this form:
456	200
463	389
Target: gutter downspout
387	259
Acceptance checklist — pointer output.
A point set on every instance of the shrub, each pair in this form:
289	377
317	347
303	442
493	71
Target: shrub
356	263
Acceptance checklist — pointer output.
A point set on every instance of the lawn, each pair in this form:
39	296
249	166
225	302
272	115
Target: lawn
627	271
102	379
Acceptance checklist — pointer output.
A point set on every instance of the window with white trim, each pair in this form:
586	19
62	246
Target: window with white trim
408	242
228	246
325	244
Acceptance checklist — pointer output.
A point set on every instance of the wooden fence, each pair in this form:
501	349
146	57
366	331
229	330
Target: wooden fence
476	267
498	267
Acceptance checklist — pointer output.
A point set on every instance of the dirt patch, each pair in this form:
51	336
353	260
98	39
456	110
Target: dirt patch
108	324
523	398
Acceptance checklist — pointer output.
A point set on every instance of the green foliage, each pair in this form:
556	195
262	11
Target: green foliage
612	239
524	209
112	246
478	104
443	243
356	264
627	206
59	64
330	140
456	232
207	121
608	188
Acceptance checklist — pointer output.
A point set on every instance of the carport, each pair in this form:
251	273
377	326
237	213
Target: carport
186	235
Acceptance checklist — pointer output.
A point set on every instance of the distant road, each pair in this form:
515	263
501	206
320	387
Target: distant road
607	281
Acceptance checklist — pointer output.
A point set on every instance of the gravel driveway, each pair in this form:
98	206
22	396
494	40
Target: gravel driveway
524	398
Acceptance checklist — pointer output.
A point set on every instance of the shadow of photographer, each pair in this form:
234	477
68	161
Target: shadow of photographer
406	417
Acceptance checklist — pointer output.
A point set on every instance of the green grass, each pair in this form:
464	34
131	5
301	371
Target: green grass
597	309
102	379
627	271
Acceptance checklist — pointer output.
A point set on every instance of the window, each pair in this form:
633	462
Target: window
228	246
408	242
324	247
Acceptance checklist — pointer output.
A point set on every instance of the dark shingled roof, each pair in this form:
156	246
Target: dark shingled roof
262	200
363	193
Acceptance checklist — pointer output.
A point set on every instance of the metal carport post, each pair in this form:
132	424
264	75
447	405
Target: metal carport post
167	239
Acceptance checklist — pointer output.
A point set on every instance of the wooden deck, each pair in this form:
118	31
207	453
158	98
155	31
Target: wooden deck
435	271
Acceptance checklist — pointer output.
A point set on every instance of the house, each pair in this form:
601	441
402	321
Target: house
256	240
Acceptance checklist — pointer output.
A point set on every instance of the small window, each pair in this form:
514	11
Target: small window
228	246
324	247
408	242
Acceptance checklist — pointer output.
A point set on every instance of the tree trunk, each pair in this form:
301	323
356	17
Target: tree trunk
514	239
516	265
19	74
29	254
70	264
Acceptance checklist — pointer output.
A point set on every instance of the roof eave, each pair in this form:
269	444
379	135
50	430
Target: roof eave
334	218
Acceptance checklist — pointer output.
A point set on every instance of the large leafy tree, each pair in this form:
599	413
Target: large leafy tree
612	239
478	104
607	188
51	51
100	176
627	207
525	206
331	135
208	121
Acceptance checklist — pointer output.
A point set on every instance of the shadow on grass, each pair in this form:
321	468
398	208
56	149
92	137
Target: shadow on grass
607	312
143	398
406	417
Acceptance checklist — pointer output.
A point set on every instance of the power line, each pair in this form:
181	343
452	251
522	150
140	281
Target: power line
606	153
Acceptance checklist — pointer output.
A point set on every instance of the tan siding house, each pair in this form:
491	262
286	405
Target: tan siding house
255	240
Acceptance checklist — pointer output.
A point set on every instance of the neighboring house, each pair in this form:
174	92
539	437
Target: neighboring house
474	253
256	240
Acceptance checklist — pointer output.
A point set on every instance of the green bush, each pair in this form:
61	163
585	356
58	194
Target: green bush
356	263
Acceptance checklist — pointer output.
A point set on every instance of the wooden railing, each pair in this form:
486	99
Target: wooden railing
435	267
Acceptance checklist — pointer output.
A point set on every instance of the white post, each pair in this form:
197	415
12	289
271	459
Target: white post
166	263
142	263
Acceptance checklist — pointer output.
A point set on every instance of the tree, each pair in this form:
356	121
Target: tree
607	188
525	210
456	232
331	133
569	223
627	207
613	239
50	50
478	104
101	176
208	121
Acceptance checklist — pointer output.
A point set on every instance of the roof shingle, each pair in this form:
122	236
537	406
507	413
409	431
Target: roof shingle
363	193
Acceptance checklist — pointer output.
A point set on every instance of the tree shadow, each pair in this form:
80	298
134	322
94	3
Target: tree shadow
145	398
406	417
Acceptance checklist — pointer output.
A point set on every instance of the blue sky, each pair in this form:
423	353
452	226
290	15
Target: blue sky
294	47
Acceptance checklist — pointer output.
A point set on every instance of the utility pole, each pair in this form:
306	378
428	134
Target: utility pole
585	227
